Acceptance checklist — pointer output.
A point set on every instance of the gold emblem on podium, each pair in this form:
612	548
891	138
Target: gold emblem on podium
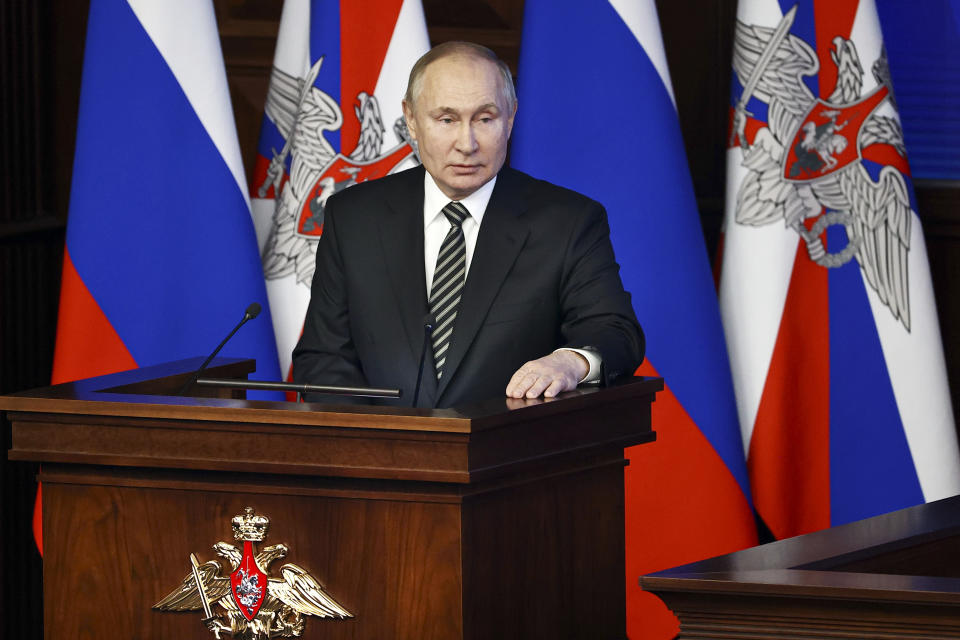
251	604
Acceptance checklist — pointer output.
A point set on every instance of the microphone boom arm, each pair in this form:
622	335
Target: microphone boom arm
252	312
369	392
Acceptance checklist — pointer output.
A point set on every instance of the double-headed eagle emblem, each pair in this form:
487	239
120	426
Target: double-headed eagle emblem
805	166
303	114
252	604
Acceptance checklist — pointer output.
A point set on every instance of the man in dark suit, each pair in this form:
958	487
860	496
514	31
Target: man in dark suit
516	276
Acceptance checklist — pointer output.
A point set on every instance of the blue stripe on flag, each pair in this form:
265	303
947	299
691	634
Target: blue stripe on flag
757	109
325	43
270	140
871	469
805	28
157	219
617	127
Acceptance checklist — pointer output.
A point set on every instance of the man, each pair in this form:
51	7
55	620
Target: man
524	267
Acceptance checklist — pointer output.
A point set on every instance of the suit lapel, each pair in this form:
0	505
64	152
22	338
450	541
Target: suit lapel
401	242
502	236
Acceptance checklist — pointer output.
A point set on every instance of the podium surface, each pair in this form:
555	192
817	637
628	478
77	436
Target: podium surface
503	519
894	576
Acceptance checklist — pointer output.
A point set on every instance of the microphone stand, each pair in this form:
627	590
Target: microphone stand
252	312
427	332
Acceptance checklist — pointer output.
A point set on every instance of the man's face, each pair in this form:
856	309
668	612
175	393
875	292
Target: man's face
461	123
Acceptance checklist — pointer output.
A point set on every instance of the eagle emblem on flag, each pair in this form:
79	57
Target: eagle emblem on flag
253	605
805	163
307	170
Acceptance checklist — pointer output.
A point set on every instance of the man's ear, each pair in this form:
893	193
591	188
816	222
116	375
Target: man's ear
408	116
511	119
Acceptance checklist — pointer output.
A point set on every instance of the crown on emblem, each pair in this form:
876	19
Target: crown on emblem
250	527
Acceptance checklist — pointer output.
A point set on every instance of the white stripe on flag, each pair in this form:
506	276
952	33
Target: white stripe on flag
292	53
408	42
185	33
640	16
762	12
918	375
757	264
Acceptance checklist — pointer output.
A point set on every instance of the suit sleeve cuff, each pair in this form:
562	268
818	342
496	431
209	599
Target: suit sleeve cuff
593	361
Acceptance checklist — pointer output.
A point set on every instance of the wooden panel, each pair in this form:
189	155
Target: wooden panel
524	498
939	206
697	38
248	36
78	423
803	618
860	580
362	551
557	536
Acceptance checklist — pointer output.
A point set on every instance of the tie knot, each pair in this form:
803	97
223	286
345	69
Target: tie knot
456	213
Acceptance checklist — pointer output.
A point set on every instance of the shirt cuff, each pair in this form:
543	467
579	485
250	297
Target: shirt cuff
593	361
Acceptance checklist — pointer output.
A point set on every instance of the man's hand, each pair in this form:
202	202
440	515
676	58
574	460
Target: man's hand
560	371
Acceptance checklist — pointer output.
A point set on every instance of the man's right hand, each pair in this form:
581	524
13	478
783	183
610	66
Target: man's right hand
548	376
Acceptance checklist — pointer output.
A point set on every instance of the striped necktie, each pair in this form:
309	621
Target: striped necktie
448	279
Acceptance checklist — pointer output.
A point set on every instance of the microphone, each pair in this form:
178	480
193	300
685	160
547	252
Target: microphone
428	322
252	312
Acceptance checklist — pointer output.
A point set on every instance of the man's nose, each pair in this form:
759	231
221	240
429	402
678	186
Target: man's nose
466	139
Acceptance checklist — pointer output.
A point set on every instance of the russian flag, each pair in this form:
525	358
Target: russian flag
825	292
597	115
161	257
339	73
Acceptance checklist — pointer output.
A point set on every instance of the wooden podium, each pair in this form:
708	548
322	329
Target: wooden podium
894	576
500	520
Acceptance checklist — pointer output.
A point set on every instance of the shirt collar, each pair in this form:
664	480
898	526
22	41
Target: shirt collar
434	200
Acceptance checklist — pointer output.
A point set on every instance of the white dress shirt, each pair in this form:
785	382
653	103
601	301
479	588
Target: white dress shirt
436	226
435	229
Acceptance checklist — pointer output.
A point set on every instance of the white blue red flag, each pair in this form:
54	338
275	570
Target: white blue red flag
333	118
161	256
597	115
825	291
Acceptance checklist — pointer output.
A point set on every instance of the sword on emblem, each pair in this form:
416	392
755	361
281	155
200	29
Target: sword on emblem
740	112
203	594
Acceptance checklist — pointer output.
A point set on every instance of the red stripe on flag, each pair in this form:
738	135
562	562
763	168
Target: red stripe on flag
87	344
885	154
38	519
682	505
789	460
832	18
365	32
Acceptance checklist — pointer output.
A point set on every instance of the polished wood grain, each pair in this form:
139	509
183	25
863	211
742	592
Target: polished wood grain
502	519
892	576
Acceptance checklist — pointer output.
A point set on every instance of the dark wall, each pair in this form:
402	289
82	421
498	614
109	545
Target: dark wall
41	52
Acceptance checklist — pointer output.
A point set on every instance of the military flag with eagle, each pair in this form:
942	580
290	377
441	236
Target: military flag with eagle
332	119
825	289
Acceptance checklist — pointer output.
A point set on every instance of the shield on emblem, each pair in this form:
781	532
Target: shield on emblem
340	174
826	140
248	583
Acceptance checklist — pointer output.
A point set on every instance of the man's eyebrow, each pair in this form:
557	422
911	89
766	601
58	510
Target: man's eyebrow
490	106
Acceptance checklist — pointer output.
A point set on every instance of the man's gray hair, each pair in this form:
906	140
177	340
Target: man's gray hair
459	48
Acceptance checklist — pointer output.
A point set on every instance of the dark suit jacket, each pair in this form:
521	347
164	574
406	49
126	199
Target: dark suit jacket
542	276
